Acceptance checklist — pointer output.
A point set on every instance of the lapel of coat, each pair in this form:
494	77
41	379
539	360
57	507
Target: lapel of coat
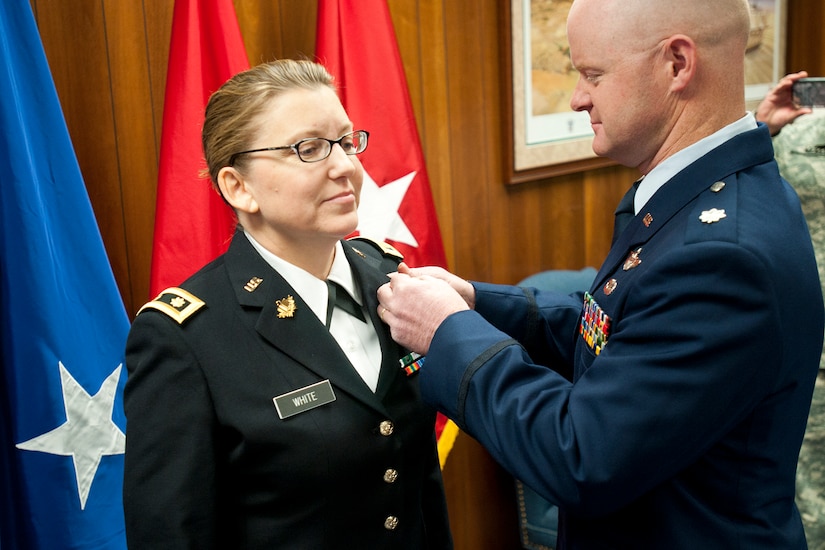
370	277
738	153
298	334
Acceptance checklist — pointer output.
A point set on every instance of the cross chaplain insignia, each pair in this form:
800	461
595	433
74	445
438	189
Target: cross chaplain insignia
595	324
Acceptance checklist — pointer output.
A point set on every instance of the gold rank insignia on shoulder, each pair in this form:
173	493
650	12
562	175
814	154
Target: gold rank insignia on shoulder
390	250
286	307
712	216
176	303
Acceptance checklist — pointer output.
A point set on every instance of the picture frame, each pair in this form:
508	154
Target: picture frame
543	144
765	54
545	137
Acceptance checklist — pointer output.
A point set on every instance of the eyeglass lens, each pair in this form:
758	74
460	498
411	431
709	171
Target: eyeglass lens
315	149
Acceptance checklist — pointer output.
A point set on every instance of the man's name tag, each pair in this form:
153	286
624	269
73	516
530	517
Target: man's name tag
304	399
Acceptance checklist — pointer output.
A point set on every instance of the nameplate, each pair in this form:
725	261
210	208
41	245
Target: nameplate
304	399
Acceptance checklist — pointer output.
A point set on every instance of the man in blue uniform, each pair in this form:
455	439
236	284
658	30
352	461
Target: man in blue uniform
665	407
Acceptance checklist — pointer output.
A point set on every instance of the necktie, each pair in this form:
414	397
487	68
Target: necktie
625	211
338	297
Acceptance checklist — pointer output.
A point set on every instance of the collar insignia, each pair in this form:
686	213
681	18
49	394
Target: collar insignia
286	307
252	284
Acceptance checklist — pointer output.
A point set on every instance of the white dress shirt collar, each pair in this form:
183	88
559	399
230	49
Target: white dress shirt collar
310	288
674	164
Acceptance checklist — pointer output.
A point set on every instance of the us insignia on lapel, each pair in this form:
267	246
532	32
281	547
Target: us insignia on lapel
252	284
286	307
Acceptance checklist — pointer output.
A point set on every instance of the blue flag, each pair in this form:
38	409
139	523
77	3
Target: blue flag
63	325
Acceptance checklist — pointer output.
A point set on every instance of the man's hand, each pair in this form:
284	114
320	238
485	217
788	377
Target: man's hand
464	288
778	107
414	304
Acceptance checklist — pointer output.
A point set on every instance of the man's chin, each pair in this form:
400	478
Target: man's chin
600	149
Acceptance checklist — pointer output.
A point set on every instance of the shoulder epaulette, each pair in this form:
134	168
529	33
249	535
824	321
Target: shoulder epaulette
385	248
176	303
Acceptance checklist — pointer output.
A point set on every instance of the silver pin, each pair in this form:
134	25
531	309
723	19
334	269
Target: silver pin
712	216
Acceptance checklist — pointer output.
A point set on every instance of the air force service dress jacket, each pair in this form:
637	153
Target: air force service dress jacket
674	405
210	461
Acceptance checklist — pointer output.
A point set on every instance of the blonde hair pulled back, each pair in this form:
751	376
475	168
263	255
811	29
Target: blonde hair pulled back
232	113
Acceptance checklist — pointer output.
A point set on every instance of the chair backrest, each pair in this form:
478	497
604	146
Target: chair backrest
562	280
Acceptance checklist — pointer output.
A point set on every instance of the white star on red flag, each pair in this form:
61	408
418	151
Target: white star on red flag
378	216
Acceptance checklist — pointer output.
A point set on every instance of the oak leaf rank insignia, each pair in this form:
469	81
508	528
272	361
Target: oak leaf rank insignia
176	303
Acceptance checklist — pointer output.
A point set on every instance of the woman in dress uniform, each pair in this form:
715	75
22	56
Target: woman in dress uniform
267	405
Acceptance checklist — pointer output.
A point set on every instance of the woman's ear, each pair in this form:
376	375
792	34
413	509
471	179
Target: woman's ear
234	189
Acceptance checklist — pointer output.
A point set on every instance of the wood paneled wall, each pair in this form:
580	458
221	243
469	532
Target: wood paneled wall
109	57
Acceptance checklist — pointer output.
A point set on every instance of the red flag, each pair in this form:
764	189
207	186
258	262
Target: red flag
192	223
356	43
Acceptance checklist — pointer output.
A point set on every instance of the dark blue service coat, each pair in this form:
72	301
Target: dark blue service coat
674	419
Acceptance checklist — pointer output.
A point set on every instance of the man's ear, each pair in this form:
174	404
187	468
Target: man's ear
235	191
680	56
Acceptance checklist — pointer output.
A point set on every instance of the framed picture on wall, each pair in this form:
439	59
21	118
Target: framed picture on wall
548	137
765	53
